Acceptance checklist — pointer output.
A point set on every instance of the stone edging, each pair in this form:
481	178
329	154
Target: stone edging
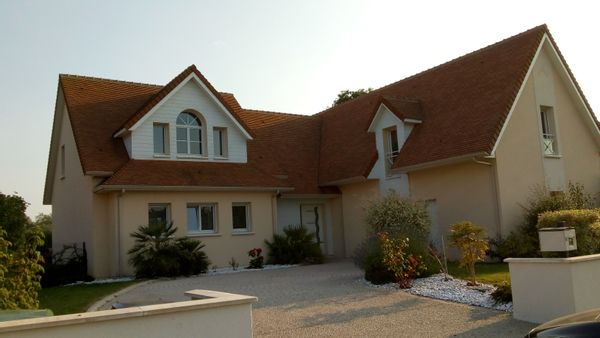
98	304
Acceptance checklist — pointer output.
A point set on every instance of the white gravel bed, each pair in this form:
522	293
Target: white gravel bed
454	290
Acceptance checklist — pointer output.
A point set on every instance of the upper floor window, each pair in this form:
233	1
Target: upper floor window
549	139
161	138
189	134
220	141
391	147
62	161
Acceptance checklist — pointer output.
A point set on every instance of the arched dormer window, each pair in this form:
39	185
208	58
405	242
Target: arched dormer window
189	134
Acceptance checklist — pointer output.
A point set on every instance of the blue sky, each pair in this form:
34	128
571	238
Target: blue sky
290	56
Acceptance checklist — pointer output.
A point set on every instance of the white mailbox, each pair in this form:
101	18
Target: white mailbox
557	239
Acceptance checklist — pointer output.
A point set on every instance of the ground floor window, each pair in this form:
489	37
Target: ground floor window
240	214
159	214
201	218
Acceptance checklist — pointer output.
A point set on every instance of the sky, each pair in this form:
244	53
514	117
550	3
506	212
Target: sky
287	56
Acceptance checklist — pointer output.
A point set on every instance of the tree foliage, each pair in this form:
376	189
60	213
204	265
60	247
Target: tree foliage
20	260
347	95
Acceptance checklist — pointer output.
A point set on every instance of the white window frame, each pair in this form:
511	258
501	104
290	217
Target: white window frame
188	138
549	133
247	206
165	128
198	216
222	132
166	205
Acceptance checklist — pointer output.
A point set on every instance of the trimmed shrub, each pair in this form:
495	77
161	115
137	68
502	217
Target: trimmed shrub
157	253
295	246
586	223
468	238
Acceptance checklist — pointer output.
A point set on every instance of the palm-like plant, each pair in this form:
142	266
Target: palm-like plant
158	253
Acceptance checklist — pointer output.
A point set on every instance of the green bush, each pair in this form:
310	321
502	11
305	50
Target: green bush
503	293
400	218
368	256
586	223
157	253
295	246
396	259
524	242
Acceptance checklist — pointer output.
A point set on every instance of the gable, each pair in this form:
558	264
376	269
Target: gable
189	96
208	99
548	68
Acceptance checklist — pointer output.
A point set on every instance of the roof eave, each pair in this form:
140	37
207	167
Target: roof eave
439	163
110	187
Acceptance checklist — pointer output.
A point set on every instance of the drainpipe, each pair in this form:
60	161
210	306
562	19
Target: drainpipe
274	210
118	232
495	188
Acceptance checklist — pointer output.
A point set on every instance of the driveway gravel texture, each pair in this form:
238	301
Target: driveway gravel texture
332	300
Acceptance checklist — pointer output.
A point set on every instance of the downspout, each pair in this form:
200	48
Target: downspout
118	232
274	210
494	179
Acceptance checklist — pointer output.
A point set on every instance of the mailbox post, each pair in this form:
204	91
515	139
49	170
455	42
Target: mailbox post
557	239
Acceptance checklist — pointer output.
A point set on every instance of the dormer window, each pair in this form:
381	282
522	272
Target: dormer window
189	134
391	148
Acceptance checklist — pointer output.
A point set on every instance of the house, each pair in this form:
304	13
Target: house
471	137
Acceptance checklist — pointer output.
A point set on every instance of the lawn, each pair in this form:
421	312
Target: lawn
489	273
77	298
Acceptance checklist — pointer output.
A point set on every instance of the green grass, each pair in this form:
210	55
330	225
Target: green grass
77	298
489	273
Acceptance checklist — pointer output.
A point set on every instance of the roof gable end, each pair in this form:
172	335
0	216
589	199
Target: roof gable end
189	74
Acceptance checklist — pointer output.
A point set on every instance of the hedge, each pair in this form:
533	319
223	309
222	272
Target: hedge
586	223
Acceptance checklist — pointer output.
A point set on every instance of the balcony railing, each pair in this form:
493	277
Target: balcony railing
549	144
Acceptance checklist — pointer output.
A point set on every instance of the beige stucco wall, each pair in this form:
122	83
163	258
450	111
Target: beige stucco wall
228	315
72	197
521	165
462	192
334	208
219	247
355	199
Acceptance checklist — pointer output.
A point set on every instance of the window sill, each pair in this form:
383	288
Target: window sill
242	233
552	156
221	158
203	234
196	157
162	155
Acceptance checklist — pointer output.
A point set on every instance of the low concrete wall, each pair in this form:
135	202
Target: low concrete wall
546	288
209	314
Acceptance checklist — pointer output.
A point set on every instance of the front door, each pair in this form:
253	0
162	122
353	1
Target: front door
312	218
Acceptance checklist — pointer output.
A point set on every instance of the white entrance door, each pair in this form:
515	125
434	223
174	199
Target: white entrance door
313	219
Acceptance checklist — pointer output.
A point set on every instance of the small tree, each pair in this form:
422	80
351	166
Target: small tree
468	238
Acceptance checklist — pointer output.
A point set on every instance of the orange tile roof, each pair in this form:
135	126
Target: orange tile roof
156	173
462	103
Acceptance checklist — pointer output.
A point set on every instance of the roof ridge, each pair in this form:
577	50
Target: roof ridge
108	80
452	61
276	112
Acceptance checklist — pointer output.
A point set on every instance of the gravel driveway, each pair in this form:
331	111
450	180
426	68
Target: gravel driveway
330	300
